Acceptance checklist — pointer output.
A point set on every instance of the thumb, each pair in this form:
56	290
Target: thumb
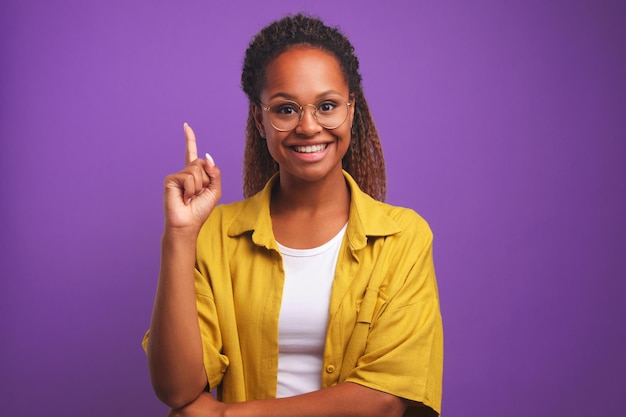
211	169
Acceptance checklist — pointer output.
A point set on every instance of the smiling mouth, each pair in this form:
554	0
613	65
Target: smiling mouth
310	149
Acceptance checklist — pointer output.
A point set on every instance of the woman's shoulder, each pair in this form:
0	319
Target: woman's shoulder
371	210
245	212
407	218
229	209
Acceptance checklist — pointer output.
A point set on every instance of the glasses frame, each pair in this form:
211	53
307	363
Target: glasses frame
301	113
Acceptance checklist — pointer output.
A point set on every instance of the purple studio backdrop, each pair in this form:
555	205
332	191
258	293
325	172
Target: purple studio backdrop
502	124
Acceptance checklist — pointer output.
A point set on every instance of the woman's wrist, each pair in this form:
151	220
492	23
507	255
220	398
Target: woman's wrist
180	234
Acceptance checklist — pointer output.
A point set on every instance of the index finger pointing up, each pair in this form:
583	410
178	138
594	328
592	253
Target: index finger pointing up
192	150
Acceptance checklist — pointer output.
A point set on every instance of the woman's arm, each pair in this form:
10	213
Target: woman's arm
343	400
174	345
174	349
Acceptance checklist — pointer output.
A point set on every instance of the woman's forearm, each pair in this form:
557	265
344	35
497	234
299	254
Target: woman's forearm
344	400
174	346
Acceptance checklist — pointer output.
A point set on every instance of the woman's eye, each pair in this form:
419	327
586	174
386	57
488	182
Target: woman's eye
286	109
326	107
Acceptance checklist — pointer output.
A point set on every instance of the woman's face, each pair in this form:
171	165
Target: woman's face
313	79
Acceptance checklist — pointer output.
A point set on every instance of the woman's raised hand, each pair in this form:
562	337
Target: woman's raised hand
191	194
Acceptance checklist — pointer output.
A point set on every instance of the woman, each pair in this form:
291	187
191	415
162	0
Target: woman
310	297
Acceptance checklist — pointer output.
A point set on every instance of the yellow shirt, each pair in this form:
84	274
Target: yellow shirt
384	327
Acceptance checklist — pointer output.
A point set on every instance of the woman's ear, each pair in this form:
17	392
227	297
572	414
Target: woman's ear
257	112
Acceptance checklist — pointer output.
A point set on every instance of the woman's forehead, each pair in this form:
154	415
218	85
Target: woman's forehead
304	72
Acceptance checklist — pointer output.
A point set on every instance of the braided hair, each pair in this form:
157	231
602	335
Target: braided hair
364	158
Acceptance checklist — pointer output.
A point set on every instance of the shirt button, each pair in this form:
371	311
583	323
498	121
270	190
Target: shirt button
330	369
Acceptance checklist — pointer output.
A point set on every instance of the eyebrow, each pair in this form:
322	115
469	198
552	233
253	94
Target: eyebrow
292	98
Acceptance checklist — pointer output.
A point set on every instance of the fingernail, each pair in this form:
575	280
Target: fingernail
210	160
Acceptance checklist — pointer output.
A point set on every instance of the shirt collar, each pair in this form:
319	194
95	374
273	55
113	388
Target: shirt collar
367	217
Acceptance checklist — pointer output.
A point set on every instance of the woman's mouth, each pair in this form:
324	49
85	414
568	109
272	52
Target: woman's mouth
310	148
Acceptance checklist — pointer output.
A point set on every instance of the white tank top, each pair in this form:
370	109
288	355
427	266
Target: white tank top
303	317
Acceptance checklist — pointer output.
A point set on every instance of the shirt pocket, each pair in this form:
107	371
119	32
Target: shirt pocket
371	306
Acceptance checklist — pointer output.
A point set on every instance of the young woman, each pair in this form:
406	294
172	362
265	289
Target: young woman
311	297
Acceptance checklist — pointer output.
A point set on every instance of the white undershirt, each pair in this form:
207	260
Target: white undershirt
309	277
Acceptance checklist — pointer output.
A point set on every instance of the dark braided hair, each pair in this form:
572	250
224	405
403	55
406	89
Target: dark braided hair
364	158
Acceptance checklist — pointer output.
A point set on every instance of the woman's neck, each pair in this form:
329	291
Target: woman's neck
308	214
296	195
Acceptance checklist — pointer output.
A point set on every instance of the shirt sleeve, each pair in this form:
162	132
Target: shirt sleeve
403	353
215	363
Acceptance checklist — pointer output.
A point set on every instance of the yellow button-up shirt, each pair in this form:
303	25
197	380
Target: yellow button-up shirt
384	327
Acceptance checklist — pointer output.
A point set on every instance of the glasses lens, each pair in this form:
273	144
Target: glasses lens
331	114
284	115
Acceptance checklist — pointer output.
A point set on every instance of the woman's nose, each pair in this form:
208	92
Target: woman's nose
308	124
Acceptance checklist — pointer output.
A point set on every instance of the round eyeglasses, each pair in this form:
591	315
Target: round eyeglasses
285	115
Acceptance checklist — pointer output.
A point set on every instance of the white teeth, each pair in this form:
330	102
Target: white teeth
310	149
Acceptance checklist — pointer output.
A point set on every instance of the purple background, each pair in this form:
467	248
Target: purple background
502	123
